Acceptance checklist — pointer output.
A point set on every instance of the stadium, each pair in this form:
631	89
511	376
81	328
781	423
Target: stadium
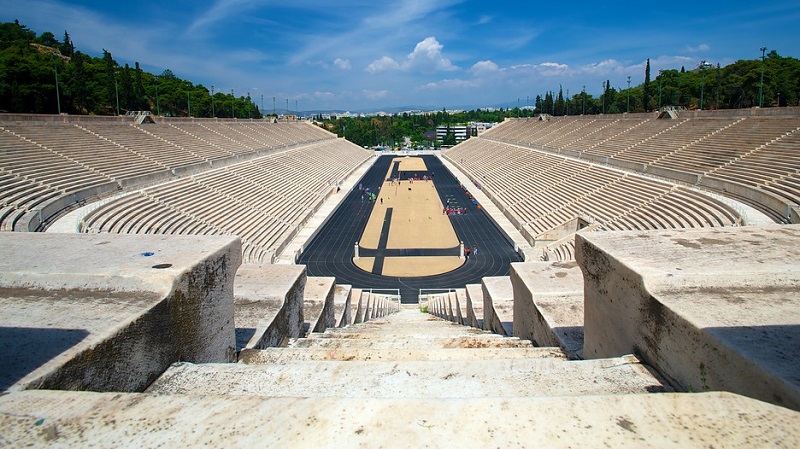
620	268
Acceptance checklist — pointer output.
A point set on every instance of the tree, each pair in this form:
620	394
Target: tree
646	87
67	48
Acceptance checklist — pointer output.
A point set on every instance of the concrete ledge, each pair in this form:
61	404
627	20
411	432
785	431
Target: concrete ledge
474	305
73	419
112	312
709	309
341	305
548	304
498	305
268	302
318	303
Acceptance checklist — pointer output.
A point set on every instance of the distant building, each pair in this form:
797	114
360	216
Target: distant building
460	131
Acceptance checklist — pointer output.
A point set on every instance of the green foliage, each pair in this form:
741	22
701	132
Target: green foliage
91	85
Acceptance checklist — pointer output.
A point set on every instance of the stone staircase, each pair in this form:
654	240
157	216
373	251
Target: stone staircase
410	355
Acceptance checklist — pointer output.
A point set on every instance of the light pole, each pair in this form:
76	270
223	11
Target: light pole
116	90
213	114
605	88
761	84
58	96
702	82
158	107
628	108
583	110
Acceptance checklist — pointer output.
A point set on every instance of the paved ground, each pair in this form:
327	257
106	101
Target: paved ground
331	252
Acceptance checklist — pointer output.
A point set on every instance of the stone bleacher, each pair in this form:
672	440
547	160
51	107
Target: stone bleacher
264	201
731	155
48	168
169	316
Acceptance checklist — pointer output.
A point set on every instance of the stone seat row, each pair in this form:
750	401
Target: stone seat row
261	200
51	166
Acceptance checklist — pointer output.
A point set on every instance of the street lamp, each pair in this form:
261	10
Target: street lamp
628	108
583	110
58	96
702	82
761	84
605	89
116	90
213	114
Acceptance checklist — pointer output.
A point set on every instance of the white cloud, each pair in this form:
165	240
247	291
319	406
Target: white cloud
451	84
481	67
699	48
343	64
427	57
383	64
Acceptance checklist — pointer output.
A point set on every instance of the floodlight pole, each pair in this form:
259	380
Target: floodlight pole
583	110
761	84
604	97
58	96
628	108
158	107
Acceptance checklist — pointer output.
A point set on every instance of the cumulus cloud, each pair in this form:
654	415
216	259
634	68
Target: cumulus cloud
427	57
342	64
383	64
483	67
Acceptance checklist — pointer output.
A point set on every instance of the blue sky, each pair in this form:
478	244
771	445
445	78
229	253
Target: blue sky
372	55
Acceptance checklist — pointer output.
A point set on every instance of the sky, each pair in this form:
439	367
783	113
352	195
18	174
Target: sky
371	55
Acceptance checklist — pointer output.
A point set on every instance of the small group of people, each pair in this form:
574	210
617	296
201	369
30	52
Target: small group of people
470	251
454	210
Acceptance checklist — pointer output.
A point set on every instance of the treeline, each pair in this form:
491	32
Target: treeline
706	86
42	75
390	130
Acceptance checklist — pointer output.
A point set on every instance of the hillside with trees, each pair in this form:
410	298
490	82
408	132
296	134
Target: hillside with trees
31	64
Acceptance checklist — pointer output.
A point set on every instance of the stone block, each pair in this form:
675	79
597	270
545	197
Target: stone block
709	309
269	304
111	312
548	304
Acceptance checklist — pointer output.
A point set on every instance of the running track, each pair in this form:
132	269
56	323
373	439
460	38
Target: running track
330	253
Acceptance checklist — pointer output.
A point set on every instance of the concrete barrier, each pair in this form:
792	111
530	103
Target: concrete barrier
269	304
110	312
708	309
318	303
498	305
548	304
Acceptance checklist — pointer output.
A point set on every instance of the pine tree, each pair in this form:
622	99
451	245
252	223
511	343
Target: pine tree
140	102
67	48
646	88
